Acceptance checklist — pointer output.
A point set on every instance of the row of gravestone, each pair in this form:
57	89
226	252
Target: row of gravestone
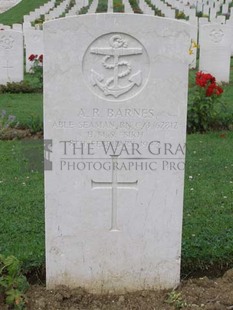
33	36
206	8
168	8
215	41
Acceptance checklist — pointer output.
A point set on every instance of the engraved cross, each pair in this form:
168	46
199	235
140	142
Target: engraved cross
114	186
7	67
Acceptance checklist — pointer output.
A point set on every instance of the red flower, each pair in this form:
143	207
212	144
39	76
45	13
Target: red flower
208	81
202	79
210	90
32	57
213	89
41	58
219	90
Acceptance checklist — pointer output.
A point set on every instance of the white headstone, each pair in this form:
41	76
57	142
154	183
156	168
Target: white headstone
221	19
127	6
202	21
146	9
115	110
93	7
27	26
11	56
213	13
110	6
231	11
206	10
199	7
215	50
225	8
192	13
4	27
34	45
229	23
17	27
171	13
85	3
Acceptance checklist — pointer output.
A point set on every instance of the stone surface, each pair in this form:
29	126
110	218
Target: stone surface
115	128
4	27
215	50
11	56
17	27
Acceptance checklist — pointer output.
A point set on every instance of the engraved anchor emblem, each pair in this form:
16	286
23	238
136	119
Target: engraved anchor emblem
118	48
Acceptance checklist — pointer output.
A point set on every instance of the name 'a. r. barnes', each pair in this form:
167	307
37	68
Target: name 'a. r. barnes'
116	113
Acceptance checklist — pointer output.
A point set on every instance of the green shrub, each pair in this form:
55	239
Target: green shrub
199	14
17	88
13	284
102	6
175	298
135	7
118	6
38	21
34	124
180	15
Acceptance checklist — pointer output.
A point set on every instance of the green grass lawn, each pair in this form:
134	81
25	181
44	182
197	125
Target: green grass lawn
15	14
22	202
208	216
23	106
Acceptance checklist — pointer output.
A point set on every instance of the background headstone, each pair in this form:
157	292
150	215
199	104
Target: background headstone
34	44
215	50
11	56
